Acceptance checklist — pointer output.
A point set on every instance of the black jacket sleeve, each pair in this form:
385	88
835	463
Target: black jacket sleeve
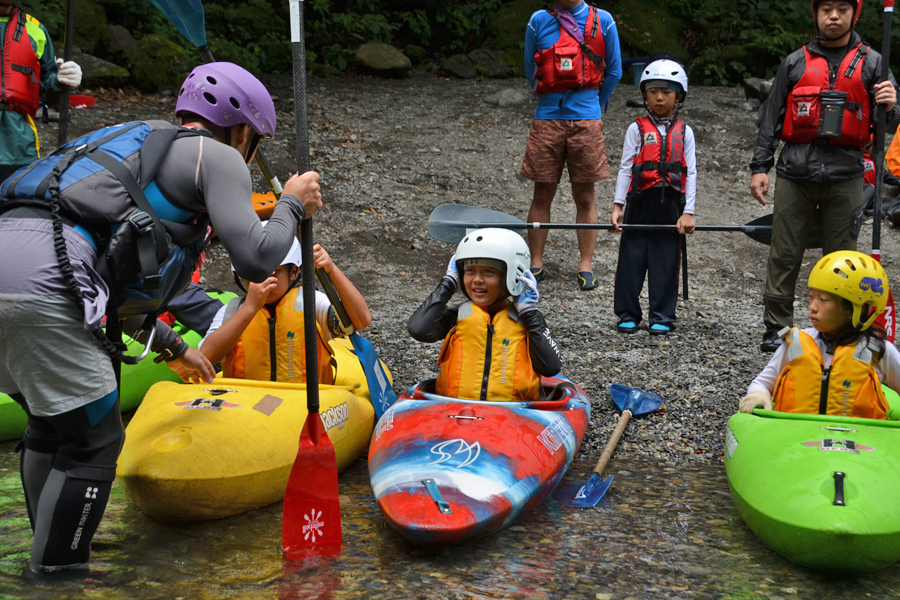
433	320
545	355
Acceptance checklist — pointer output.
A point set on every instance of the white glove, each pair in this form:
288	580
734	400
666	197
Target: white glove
529	297
756	399
452	272
69	73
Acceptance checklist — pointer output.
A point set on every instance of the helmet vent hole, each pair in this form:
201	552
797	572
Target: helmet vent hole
210	98
235	103
851	265
212	80
840	273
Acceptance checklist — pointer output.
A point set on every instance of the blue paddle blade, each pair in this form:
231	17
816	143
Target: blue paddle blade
583	495
187	16
637	401
380	389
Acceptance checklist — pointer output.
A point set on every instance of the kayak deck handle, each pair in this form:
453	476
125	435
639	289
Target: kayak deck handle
839	489
432	488
840	429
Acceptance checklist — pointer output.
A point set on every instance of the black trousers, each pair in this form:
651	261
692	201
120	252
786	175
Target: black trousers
651	254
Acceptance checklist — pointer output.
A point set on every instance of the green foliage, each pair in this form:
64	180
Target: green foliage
464	21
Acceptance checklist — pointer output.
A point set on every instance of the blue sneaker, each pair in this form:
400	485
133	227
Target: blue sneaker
628	327
660	329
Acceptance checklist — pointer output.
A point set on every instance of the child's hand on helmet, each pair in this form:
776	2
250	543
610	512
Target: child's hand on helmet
322	259
306	188
529	297
453	273
258	293
756	399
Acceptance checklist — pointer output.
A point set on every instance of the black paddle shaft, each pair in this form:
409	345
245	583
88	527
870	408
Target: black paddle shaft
64	95
306	230
880	125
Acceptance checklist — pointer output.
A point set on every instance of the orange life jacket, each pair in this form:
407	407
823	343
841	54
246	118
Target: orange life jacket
568	65
651	165
804	105
487	359
849	387
20	76
273	348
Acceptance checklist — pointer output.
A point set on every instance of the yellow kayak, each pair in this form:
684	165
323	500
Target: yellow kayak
214	450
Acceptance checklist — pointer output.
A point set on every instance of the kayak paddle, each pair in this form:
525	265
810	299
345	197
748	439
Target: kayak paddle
451	222
631	402
311	521
64	94
887	319
380	391
190	20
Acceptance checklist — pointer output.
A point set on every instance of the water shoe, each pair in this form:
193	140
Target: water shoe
627	327
659	329
586	281
538	273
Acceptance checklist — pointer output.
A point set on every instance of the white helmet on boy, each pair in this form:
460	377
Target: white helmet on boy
502	245
667	71
293	257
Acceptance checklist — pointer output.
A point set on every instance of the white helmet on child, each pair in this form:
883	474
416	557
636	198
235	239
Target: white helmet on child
293	257
501	245
668	71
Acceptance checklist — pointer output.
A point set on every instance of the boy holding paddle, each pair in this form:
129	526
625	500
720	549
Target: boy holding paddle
658	180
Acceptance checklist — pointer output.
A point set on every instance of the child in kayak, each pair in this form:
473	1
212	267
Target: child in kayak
658	180
496	344
835	367
261	336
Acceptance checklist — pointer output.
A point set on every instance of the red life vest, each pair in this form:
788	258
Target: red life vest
20	79
869	176
651	165
570	65
804	105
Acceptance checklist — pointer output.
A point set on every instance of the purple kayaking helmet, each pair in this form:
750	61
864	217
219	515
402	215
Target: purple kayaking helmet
226	94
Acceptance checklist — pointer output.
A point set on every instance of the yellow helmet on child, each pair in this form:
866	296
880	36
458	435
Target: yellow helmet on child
857	278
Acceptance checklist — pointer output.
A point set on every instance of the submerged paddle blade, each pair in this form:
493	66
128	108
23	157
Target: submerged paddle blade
187	16
311	524
450	222
637	401
583	496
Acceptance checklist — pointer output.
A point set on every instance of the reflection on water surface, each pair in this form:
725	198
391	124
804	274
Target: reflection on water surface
660	532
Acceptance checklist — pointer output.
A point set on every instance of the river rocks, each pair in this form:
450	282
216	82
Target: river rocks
97	72
91	31
159	64
383	60
508	96
122	43
460	66
756	88
489	63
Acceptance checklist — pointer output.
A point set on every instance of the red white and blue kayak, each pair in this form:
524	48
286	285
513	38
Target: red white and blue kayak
446	470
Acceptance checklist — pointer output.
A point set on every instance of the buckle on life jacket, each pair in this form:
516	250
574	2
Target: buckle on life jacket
141	221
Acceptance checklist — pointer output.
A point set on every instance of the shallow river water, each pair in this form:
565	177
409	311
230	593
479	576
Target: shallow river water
660	532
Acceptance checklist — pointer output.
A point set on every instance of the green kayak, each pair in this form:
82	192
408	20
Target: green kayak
822	491
136	380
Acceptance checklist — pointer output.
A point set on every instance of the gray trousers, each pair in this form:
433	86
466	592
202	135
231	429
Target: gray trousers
795	209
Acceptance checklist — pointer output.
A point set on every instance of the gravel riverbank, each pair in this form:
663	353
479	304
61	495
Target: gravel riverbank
389	152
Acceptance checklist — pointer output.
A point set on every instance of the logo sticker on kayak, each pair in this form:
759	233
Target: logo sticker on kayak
336	416
450	448
385	423
555	434
207	404
731	442
829	444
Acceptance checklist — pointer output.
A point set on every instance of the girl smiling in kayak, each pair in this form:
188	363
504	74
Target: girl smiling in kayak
835	367
496	345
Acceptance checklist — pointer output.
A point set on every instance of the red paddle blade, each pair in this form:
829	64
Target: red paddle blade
311	521
81	101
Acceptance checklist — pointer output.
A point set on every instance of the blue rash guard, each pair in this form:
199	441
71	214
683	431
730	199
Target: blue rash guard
542	32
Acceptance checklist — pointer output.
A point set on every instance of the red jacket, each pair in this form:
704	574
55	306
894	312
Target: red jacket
651	166
568	65
804	106
20	77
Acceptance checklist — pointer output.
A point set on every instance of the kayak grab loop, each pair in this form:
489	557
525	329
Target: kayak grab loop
839	489
432	488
